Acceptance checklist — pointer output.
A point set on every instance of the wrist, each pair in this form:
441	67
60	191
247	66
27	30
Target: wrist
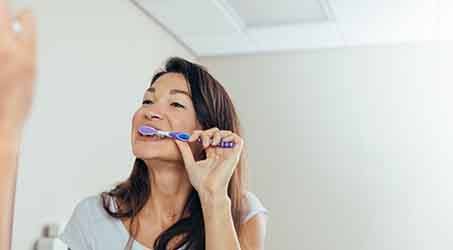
214	199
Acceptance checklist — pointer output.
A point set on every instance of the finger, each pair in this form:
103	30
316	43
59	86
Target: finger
5	22
238	146
211	153
186	153
223	135
211	131
27	36
228	138
216	139
220	152
195	135
206	139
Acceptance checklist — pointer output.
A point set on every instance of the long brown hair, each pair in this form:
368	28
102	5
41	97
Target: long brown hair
213	108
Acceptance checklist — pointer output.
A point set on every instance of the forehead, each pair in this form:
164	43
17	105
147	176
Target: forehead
170	81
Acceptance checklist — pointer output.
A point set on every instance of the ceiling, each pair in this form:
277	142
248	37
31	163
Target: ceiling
231	27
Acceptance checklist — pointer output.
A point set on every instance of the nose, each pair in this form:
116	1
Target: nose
150	115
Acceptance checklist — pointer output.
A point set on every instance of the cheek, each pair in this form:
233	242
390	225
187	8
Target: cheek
135	116
182	123
135	119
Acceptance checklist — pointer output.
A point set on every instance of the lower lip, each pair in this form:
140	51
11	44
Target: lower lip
148	138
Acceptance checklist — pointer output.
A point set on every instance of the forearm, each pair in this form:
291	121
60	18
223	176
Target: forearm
8	174
218	220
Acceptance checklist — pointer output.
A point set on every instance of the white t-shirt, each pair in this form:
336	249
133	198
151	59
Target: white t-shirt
92	228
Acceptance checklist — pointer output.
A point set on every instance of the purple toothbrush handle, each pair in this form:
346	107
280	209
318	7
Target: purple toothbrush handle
182	136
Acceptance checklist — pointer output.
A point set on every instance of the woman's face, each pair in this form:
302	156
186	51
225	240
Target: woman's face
167	105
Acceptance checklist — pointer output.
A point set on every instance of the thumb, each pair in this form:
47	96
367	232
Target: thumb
186	153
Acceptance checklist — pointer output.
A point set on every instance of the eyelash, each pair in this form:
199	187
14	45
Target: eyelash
177	104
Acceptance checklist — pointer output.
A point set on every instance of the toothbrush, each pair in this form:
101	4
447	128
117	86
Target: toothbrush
181	136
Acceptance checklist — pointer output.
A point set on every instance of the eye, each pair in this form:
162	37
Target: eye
147	102
177	105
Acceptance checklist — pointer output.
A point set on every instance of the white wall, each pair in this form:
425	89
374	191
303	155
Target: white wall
360	150
96	58
363	153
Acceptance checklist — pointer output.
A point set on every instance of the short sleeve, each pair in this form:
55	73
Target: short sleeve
252	207
75	234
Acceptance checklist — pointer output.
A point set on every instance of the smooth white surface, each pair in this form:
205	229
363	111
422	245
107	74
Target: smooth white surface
190	17
361	144
95	61
386	21
260	26
445	20
271	12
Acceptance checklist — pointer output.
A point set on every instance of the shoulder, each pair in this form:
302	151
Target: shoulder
252	206
86	219
88	203
89	209
83	210
252	232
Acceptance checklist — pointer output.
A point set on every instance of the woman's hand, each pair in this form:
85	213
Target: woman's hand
17	70
212	175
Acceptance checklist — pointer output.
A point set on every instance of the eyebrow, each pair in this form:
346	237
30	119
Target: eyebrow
172	91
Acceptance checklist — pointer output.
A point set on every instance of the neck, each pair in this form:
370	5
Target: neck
170	188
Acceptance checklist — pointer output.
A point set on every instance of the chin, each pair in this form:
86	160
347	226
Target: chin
149	153
143	153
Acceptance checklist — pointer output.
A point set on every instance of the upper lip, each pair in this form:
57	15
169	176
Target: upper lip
150	125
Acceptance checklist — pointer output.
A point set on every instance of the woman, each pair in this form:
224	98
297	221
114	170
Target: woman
179	195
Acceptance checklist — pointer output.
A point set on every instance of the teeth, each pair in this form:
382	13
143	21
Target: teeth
156	135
